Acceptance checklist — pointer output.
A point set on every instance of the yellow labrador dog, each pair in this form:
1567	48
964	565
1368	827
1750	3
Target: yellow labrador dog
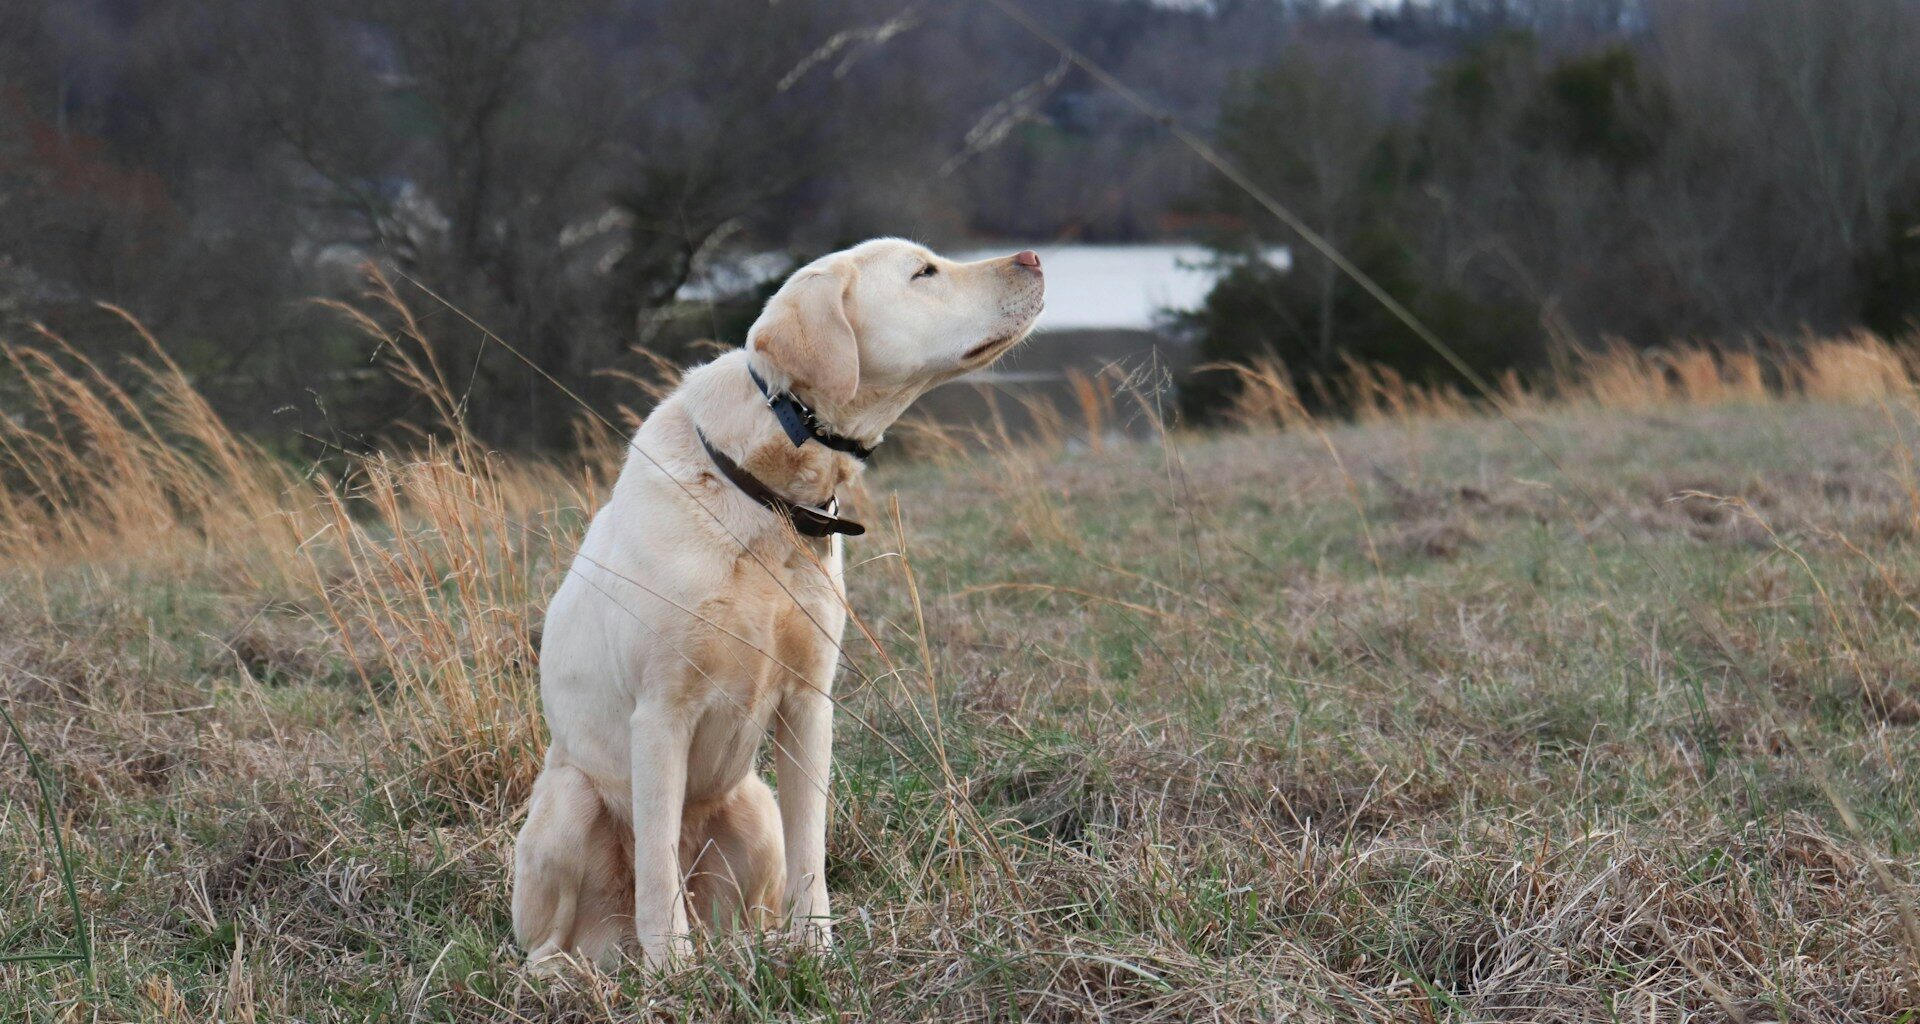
704	612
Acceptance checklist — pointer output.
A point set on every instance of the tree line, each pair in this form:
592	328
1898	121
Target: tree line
1737	171
1524	173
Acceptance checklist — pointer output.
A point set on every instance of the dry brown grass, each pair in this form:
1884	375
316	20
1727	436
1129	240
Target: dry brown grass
1360	722
1856	368
424	564
85	468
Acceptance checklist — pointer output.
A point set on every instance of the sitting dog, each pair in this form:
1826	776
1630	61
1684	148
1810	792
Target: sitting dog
704	612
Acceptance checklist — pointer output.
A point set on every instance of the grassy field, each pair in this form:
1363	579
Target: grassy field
1390	721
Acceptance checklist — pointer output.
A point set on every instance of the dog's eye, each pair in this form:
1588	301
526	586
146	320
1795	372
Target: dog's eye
927	271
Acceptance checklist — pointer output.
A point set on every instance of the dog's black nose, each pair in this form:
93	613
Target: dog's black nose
1027	258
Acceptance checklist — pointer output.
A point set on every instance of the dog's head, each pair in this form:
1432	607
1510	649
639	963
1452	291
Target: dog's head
888	317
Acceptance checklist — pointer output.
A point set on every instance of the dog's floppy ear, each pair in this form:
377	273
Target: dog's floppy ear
805	332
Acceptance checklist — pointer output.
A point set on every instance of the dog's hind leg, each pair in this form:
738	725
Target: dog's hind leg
571	872
736	858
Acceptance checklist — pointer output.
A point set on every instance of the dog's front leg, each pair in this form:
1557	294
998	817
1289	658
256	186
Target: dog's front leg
803	745
659	746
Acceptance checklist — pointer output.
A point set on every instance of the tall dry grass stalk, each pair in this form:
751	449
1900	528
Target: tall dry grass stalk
1266	396
1855	368
87	468
432	569
434	566
1375	393
1860	367
1093	397
428	566
1621	377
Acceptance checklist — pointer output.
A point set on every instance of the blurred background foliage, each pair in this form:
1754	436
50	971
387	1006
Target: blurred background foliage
597	180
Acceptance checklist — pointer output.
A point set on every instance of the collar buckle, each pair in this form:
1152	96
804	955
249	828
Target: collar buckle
801	424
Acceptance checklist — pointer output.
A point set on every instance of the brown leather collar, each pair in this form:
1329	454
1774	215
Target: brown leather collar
806	520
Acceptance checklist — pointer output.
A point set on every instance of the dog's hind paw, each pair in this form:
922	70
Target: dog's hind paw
550	961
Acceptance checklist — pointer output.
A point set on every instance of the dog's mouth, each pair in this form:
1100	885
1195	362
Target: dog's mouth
993	347
985	347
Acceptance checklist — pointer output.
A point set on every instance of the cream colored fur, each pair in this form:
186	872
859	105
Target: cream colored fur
694	624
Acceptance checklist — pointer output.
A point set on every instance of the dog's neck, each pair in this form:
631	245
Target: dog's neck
865	418
800	422
736	419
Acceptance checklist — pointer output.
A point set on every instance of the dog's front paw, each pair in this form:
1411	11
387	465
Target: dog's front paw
663	951
814	933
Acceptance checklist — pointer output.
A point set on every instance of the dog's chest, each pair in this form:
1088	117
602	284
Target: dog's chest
764	636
